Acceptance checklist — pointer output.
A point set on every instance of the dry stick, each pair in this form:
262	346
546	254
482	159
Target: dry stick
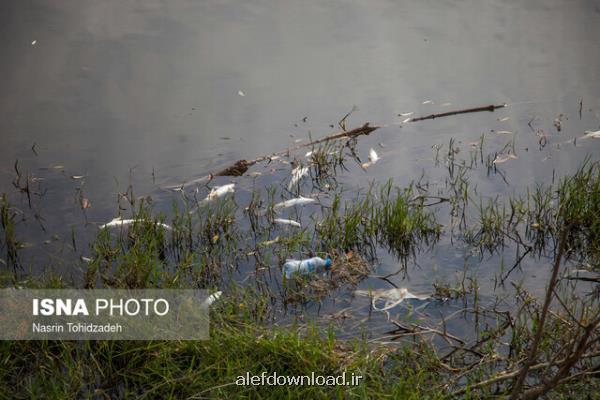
504	375
565	366
491	107
540	328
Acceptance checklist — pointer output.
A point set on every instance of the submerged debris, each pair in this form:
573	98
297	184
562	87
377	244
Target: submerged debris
392	297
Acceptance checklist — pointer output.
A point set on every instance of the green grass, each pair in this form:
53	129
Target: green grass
209	369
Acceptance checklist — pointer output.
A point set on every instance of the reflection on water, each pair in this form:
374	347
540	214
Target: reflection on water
149	93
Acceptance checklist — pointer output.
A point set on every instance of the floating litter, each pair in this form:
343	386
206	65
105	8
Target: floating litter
392	297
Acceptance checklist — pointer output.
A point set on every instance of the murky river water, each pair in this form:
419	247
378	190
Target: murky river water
157	92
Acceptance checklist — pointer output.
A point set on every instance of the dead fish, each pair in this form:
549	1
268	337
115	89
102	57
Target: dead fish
297	174
504	158
86	259
591	134
287	222
308	154
406	114
220	191
299	201
270	242
212	298
122	222
373	156
445	104
241	93
503	119
76	177
504	132
392	297
34	42
406	120
427	102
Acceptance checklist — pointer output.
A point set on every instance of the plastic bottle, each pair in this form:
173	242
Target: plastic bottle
305	267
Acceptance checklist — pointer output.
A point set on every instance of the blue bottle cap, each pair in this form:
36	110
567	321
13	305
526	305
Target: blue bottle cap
327	262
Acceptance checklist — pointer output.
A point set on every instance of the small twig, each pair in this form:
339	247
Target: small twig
517	263
490	108
522	373
342	122
504	375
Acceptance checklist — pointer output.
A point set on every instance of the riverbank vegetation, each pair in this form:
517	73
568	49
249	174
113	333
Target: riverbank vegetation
520	344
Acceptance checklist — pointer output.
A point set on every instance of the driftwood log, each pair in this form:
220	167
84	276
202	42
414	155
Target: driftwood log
240	167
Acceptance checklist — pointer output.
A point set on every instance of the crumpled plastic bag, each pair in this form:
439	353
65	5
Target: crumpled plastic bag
392	297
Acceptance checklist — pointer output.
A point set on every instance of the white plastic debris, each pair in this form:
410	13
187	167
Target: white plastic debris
392	297
212	298
124	222
34	42
220	191
299	201
241	93
306	267
297	174
283	221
